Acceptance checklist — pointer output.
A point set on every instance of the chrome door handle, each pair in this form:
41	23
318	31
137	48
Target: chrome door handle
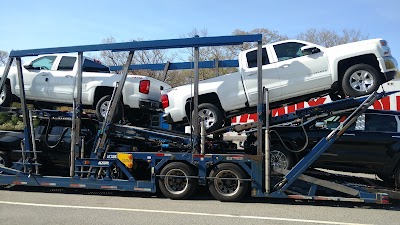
284	66
68	76
346	134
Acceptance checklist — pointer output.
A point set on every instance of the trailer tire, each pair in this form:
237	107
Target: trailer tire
6	96
228	190
397	177
177	188
102	106
5	159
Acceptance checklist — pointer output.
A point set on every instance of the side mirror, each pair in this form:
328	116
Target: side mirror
309	50
28	66
320	124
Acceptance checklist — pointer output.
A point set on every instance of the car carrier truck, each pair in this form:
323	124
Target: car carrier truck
179	163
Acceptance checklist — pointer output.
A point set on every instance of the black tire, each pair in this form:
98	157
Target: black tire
281	157
138	117
101	108
6	96
212	115
176	187
5	159
397	177
228	190
360	79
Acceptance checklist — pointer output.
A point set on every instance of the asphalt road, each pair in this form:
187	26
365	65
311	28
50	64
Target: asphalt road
56	206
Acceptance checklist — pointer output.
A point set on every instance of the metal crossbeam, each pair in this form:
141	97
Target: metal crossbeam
144	45
180	65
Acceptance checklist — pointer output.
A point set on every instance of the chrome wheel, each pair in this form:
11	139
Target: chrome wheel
176	185
279	159
2	97
208	116
361	80
2	161
226	186
104	108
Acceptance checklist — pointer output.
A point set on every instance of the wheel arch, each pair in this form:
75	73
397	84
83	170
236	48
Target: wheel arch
211	98
100	92
369	59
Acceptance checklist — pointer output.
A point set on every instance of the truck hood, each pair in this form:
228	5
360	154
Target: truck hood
354	46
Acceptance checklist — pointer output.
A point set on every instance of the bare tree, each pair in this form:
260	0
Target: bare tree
329	38
3	58
140	57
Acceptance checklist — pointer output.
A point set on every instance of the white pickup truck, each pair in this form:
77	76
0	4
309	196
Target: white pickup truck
52	79
293	71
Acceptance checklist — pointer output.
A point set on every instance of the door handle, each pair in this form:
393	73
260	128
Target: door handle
45	75
284	66
346	134
68	76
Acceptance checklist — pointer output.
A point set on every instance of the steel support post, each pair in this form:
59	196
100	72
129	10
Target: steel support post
267	145
27	146
77	115
260	103
195	119
216	67
100	146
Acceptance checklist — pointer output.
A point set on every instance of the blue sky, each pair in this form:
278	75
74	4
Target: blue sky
29	24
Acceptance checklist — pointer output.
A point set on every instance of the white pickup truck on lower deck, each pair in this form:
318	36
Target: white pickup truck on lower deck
52	79
293	71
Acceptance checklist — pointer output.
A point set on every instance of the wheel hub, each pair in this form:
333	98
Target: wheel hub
2	97
279	159
361	80
208	117
176	185
226	186
104	108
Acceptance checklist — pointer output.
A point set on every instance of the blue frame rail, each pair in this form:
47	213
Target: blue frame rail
180	65
145	45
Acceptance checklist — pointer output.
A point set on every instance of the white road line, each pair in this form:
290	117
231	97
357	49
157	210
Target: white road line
181	213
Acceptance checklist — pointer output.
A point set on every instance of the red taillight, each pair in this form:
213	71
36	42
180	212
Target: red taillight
164	101
144	86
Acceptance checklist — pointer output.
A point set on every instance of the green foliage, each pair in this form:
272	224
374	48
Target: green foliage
10	122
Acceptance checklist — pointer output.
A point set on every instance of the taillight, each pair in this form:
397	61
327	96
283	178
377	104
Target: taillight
144	86
164	101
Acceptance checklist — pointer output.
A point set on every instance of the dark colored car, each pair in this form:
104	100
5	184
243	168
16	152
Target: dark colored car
370	145
53	140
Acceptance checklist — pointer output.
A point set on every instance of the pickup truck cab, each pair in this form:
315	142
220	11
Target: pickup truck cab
293	71
52	79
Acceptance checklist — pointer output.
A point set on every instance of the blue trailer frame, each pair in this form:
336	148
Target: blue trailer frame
237	170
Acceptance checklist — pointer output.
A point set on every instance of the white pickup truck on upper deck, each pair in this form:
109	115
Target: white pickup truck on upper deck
52	79
293	71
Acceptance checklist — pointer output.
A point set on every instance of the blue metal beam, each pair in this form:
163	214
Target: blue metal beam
145	45
180	65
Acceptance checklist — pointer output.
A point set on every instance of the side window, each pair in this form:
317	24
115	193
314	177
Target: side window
67	63
44	63
252	58
377	122
288	50
94	66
